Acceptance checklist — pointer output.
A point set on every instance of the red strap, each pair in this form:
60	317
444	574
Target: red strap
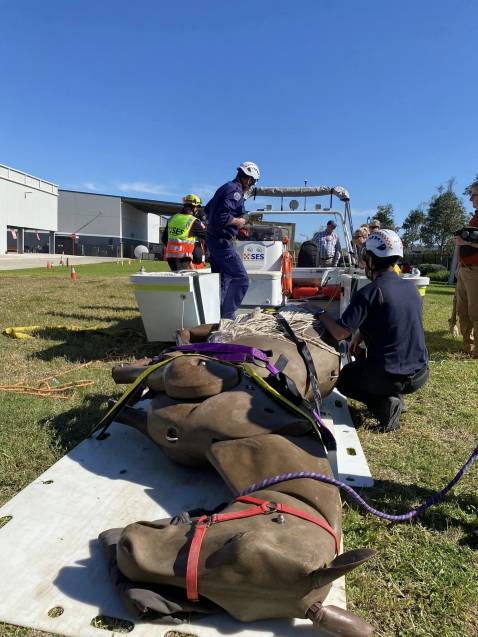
283	508
261	507
193	559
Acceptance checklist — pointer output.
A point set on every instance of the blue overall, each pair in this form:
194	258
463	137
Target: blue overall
226	205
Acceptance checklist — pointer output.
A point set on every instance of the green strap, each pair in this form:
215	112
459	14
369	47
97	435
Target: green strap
111	413
280	398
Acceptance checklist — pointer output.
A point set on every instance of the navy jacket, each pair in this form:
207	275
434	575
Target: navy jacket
226	205
388	312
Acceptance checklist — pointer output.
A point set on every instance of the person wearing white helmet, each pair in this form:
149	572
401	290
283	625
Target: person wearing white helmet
387	315
225	214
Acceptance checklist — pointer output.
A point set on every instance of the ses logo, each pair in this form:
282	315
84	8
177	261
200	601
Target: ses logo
254	252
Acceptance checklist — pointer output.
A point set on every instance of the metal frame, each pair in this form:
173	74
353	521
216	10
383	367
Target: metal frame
345	219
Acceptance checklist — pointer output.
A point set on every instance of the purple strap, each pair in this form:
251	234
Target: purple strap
231	352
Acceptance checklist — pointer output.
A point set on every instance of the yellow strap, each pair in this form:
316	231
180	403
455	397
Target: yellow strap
120	403
21	332
25	332
131	388
282	399
246	368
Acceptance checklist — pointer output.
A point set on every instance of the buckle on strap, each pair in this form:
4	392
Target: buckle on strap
269	507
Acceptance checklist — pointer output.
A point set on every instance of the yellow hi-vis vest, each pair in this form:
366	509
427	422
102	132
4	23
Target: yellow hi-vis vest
180	244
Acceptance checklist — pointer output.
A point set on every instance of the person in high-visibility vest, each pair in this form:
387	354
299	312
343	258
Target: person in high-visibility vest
184	235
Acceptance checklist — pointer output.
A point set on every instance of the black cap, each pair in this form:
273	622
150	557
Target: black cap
331	222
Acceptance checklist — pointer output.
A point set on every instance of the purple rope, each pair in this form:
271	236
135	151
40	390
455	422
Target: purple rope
284	477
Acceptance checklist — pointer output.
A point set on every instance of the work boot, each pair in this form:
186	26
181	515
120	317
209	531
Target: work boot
388	413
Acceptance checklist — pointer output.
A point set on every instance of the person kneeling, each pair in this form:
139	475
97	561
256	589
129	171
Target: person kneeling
388	314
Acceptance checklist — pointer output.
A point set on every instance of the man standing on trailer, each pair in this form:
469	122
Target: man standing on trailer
467	283
328	245
225	213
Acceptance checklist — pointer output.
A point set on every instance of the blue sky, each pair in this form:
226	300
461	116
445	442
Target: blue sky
155	99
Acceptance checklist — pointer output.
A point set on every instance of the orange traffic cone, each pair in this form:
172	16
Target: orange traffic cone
47	265
73	275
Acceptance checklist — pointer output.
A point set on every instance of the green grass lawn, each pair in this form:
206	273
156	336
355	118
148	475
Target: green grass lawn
423	581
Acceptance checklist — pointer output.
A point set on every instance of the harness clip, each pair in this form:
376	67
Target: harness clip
269	507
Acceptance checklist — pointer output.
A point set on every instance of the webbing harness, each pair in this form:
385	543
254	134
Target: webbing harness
260	507
215	350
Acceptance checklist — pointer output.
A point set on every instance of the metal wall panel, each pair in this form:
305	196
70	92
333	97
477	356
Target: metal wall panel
85	213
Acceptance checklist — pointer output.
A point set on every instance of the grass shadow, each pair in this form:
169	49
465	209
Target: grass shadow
444	291
441	342
72	426
81	317
125	339
397	499
113	308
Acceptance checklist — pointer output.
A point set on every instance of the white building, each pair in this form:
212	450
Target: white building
28	212
108	225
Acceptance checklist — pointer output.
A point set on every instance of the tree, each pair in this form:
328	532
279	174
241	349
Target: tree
385	215
412	226
445	214
467	191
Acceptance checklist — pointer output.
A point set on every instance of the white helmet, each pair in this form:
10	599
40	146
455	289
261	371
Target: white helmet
384	243
250	169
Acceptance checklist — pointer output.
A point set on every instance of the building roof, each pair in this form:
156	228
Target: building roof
153	206
25	179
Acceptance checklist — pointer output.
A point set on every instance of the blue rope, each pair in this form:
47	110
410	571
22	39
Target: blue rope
284	477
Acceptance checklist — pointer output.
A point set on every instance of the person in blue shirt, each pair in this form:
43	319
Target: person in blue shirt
225	217
387	315
328	245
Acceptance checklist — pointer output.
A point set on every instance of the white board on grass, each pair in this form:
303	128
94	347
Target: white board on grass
352	465
50	556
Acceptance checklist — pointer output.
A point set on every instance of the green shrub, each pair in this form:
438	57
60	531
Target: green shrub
442	275
427	268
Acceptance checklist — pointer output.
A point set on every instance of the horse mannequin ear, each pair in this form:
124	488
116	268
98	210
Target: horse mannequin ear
341	565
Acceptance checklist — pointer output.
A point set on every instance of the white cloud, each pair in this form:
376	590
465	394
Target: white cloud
146	187
86	185
90	185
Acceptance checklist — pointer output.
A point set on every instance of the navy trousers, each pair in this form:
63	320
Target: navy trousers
234	280
363	382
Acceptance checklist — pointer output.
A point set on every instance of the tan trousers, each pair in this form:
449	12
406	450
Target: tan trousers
467	306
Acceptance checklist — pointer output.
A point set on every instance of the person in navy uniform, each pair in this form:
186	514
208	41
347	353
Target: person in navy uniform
387	315
225	214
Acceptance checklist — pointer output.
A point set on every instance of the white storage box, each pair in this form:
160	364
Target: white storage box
264	256
169	301
350	283
422	282
265	288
